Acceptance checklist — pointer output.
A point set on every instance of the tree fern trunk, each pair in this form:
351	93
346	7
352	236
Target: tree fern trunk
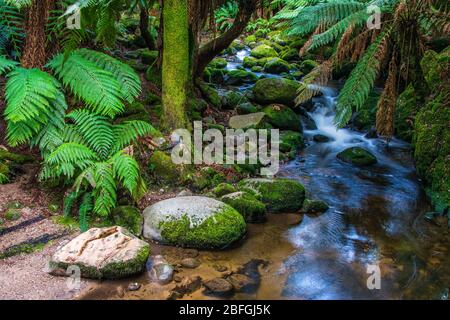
34	52
175	64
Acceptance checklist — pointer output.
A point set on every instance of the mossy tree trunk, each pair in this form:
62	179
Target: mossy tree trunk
34	52
175	64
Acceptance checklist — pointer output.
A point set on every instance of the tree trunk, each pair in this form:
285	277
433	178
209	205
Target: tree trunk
175	64
34	52
143	26
214	47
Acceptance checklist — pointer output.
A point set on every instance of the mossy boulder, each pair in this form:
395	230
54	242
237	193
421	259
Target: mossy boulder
218	63
405	111
276	66
246	108
290	141
279	195
231	99
211	95
148	56
282	117
214	75
247	205
297	43
249	62
163	168
239	77
275	90
206	177
6	156
290	55
128	217
257	69
431	142
196	222
250	39
357	156
252	120
435	67
264	51
102	253
307	65
314	206
223	189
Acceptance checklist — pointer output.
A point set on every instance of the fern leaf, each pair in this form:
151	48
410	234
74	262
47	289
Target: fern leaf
126	170
6	65
86	207
72	153
104	192
69	201
127	132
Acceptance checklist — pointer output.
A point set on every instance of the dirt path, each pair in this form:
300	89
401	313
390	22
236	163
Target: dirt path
28	240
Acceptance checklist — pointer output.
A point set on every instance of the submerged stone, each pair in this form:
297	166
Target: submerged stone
357	156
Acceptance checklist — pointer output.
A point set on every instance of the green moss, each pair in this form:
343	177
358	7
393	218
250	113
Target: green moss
223	189
246	108
290	141
128	217
163	168
231	99
275	90
4	173
249	62
264	51
148	56
218	63
276	66
216	232
307	66
239	77
365	117
15	158
153	75
207	177
213	75
20	249
297	43
211	95
247	205
405	111
12	214
314	206
357	156
256	69
250	39
290	54
435	67
279	195
283	117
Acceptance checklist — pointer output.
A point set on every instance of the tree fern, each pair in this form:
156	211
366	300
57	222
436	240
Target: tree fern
12	22
126	170
86	207
98	88
105	190
6	64
128	132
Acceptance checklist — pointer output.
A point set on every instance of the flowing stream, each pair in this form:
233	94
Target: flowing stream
375	223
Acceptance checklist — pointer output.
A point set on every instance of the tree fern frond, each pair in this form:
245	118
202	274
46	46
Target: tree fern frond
6	64
69	201
98	88
104	192
361	80
129	80
95	130
127	132
71	153
86	206
126	170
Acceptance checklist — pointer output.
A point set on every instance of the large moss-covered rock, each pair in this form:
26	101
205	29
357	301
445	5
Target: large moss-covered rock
405	111
253	120
128	217
163	168
211	95
206	177
231	99
223	189
100	253
264	51
314	206
357	156
249	62
290	141
283	117
276	66
214	75
239	77
218	63
431	143
246	108
148	56
197	222
279	195
275	90
435	67
289	54
247	205
307	66
6	156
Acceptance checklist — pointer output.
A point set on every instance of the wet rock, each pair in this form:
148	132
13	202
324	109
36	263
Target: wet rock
263	51
190	263
275	90
196	222
371	134
307	66
283	117
276	66
242	283
111	252
307	121
120	292
247	205
218	287
190	253
279	195
290	141
218	63
357	156
134	286
239	77
320	138
159	270
231	99
314	206
188	285
246	108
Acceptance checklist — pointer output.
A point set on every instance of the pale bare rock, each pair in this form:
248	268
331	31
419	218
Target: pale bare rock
110	252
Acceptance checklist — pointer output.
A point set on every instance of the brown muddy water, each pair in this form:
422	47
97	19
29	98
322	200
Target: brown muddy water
376	218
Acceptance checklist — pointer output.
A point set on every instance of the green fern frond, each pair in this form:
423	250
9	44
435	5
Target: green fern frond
126	170
86	206
129	80
6	64
69	201
19	4
105	190
361	80
98	88
95	130
129	131
73	153
12	21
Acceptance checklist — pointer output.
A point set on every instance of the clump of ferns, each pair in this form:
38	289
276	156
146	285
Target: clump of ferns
84	146
396	47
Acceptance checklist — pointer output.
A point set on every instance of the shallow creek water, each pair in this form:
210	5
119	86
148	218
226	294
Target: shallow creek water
375	218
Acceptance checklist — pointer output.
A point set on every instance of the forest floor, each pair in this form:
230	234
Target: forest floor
28	239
